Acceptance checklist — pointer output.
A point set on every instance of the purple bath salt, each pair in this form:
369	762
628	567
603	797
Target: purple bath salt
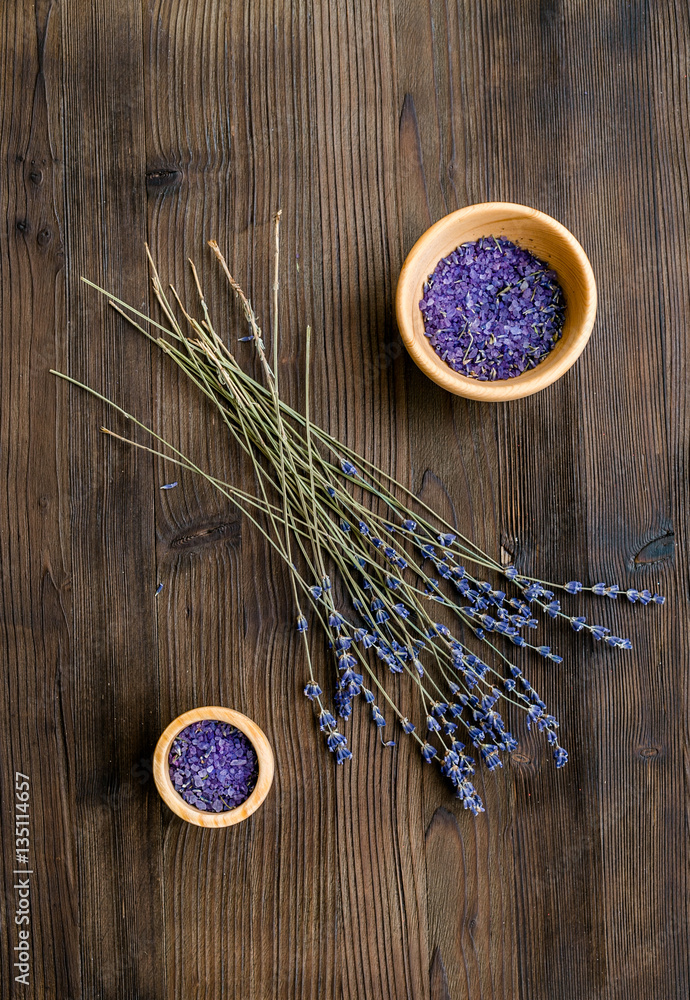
213	765
492	310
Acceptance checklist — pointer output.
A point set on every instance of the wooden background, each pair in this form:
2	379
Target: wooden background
174	121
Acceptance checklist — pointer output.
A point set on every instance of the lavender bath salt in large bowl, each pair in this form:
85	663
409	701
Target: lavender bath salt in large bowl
213	766
495	227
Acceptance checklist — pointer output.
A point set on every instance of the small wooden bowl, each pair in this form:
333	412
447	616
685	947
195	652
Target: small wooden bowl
161	769
536	232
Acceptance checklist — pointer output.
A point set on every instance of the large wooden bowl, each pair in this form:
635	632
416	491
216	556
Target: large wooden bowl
161	768
536	232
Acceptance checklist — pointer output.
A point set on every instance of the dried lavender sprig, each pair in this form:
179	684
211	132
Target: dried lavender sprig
221	381
611	590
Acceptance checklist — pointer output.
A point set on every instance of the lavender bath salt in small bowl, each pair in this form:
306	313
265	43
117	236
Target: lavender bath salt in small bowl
492	310
496	301
213	766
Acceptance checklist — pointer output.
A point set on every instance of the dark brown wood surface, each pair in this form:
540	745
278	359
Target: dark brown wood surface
175	121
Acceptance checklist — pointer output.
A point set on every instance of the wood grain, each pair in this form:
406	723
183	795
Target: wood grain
175	121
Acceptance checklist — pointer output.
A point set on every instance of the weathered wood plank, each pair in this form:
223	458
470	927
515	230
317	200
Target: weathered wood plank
37	693
115	658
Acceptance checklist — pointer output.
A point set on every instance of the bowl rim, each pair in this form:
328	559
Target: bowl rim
172	798
505	389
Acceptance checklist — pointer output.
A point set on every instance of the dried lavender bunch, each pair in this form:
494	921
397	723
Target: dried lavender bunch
416	602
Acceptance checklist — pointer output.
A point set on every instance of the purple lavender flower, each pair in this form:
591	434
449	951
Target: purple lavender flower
326	720
350	679
599	632
490	757
335	740
377	717
343	704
